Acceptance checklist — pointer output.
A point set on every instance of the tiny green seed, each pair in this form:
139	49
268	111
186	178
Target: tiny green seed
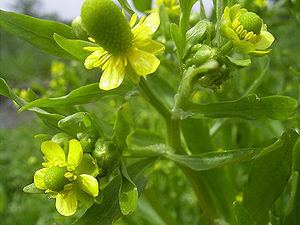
106	24
251	22
54	178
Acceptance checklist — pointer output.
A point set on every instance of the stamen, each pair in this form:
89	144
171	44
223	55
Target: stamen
68	175
239	29
68	187
253	38
92	49
235	24
249	36
91	39
243	34
123	12
70	168
133	20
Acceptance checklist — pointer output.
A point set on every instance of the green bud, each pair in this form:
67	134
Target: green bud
79	29
251	22
105	23
215	79
54	178
107	156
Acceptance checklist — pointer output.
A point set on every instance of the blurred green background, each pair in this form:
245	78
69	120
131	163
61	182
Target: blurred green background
22	67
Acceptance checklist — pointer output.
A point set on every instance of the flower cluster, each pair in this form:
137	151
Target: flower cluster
67	180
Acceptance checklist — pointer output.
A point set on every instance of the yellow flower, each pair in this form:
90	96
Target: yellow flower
172	6
68	180
246	30
131	51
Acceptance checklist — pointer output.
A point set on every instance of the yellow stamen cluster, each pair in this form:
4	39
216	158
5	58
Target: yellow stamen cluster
243	33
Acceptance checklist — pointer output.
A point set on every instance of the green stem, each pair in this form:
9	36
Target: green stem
226	48
153	99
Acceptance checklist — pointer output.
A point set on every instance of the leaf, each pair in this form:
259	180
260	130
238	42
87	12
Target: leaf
196	134
109	209
263	187
142	5
122	127
212	160
250	107
126	6
142	138
241	215
83	95
74	47
177	38
32	189
186	7
37	32
239	62
128	194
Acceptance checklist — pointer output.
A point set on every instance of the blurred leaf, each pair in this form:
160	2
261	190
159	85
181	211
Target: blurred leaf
74	47
142	5
186	7
142	138
126	6
241	215
258	196
37	32
128	194
250	107
83	95
122	127
178	39
109	209
196	134
32	189
2	198
212	160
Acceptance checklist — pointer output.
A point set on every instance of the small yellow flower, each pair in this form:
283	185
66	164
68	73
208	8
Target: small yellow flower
246	30
68	180
117	52
57	68
172	6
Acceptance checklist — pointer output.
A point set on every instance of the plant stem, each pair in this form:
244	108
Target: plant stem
226	48
153	99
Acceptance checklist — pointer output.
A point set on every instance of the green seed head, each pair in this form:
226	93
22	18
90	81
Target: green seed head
78	28
54	178
105	23
251	22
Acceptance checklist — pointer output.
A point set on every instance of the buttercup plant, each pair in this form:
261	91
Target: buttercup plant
174	106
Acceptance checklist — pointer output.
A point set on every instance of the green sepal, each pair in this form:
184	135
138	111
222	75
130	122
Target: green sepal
32	189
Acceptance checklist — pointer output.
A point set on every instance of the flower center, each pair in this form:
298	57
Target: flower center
54	178
251	22
106	24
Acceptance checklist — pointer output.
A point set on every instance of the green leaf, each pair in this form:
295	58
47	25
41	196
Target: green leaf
122	127
83	95
178	39
142	5
32	189
186	7
258	196
250	107
128	194
196	134
241	215
293	218
126	6
239	62
74	47
212	160
37	32
109	209
142	138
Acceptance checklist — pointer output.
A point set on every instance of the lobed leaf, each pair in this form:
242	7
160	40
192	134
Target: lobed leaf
142	5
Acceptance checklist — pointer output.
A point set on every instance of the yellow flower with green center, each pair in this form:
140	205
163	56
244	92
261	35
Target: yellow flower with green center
172	6
68	180
246	30
124	47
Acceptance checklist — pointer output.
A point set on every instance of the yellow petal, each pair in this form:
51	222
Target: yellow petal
230	33
84	197
266	40
148	26
148	45
88	184
142	62
113	75
260	52
93	58
53	151
66	203
39	179
88	166
75	153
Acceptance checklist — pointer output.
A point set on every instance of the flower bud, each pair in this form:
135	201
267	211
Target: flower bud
106	24
54	178
107	156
